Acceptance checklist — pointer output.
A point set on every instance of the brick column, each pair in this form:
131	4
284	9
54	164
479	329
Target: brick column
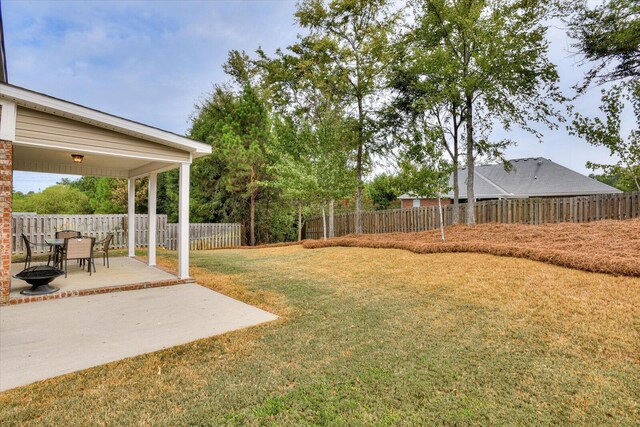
6	180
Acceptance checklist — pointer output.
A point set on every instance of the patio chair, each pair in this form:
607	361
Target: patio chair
79	248
27	246
104	250
64	234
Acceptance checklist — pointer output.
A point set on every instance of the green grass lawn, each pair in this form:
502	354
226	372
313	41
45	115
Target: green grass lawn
377	337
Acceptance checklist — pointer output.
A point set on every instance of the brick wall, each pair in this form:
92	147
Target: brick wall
6	179
406	203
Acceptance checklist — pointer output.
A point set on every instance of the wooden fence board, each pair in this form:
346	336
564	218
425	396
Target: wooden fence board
39	227
507	211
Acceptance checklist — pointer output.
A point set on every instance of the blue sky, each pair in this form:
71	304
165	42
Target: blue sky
153	61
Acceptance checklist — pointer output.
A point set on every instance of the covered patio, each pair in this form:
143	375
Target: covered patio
39	133
124	273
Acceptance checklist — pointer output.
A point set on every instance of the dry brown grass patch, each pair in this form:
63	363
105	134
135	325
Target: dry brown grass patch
232	286
611	247
578	311
450	338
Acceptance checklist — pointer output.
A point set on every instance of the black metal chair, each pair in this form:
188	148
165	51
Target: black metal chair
29	254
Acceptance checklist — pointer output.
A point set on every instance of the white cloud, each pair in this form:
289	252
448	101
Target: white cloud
152	61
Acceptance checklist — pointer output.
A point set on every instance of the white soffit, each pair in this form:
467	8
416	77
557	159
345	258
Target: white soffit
39	159
38	101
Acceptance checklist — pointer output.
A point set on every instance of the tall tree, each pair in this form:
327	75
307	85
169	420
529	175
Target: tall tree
293	170
312	168
608	36
428	105
347	53
608	133
495	53
238	127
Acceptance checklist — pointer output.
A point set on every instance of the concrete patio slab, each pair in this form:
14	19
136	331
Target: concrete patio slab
121	271
51	338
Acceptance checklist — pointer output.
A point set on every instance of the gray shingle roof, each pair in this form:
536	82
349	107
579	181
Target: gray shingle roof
530	177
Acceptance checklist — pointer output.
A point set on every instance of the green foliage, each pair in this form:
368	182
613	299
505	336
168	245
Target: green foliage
102	193
608	35
312	166
344	58
110	195
607	133
423	170
228	184
57	199
428	107
384	190
621	181
492	57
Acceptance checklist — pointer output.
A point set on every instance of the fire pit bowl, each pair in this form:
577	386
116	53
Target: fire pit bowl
39	277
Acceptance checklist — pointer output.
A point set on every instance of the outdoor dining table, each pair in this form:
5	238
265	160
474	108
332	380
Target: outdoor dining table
56	245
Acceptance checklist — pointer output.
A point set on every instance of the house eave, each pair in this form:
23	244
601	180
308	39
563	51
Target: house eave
4	78
38	101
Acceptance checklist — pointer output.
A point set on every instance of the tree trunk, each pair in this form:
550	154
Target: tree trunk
358	217
267	220
324	224
252	221
331	230
441	218
471	199
456	183
252	214
299	221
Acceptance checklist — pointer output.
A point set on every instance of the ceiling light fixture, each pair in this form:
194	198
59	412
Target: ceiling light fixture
77	158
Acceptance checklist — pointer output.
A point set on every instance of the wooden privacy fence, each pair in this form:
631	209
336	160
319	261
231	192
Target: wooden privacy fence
205	236
39	227
506	211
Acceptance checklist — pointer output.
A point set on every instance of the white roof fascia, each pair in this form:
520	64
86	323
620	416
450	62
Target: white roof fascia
39	101
155	167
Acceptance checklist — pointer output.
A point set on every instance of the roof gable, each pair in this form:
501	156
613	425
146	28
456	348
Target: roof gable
530	177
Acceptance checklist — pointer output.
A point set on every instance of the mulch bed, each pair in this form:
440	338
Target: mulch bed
611	247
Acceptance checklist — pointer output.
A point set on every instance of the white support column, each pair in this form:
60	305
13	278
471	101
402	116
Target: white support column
131	217
8	120
183	222
153	219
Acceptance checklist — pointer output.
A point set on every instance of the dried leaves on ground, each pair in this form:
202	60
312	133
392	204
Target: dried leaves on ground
604	246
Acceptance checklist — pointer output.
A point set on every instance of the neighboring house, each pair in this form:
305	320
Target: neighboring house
531	177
